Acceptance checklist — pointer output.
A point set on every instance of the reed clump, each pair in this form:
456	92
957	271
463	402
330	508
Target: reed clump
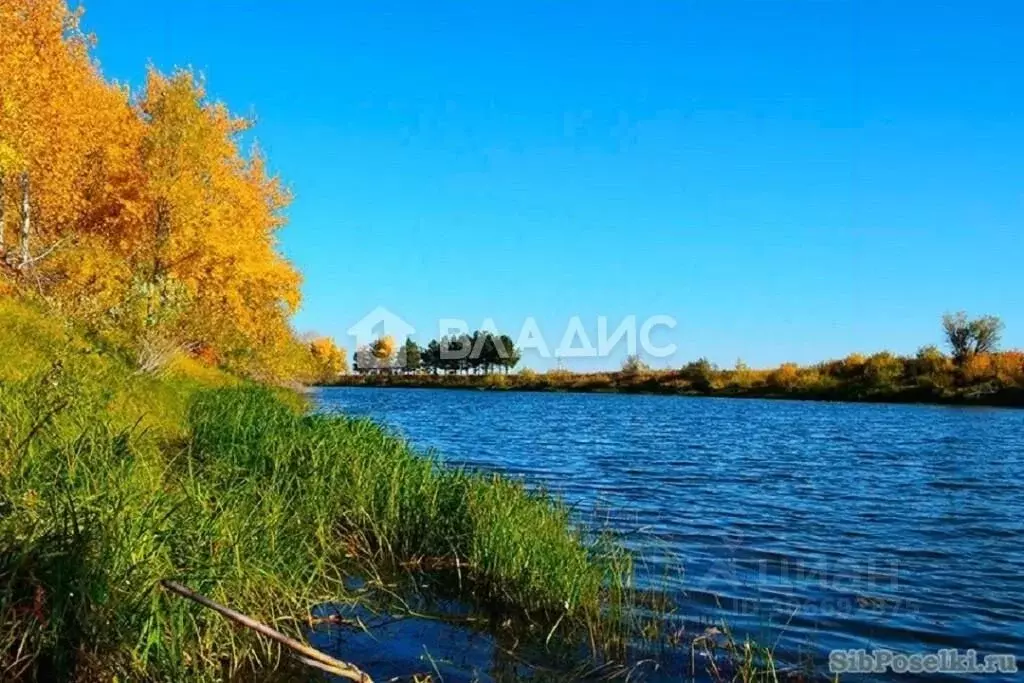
111	481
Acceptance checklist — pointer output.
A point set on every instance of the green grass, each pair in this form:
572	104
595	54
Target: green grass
111	481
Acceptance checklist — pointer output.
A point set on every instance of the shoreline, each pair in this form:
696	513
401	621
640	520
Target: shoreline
1002	397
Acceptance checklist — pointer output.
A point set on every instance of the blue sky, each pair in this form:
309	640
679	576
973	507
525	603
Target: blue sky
788	180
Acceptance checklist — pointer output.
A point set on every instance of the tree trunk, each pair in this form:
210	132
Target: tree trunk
2	248
162	235
26	219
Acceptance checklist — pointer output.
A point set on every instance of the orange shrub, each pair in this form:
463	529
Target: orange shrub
979	368
787	376
1009	367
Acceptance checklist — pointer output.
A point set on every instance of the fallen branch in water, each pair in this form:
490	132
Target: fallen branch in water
306	654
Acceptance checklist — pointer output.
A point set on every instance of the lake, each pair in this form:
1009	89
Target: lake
819	525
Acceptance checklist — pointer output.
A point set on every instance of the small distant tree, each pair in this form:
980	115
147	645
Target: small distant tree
634	365
700	373
495	351
431	356
478	352
509	355
968	337
410	357
363	360
383	351
455	352
485	350
481	351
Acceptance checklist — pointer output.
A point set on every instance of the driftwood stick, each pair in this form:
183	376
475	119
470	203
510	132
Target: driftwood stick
307	654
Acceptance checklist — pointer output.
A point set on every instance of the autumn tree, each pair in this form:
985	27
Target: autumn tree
213	214
138	213
968	337
329	360
65	141
383	351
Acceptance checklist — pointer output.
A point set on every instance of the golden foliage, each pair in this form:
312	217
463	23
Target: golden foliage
329	360
979	367
137	203
383	349
1009	367
786	376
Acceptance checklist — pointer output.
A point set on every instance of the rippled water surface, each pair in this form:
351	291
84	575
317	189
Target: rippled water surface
823	525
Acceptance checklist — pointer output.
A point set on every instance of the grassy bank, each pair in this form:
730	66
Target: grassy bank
851	382
111	480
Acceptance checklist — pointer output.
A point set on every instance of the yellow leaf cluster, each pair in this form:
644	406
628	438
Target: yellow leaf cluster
136	195
330	361
383	349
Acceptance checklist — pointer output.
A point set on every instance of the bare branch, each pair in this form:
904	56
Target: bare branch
306	654
39	257
2	223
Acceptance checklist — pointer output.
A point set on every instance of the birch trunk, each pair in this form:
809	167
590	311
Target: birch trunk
2	248
26	219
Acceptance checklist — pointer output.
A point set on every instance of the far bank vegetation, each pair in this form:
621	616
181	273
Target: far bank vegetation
971	368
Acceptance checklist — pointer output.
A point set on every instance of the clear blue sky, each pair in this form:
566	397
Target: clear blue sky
789	180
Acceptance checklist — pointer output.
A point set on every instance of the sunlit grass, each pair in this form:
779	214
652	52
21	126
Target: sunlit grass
111	481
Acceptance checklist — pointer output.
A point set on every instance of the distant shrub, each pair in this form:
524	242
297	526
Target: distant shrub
495	381
853	366
559	374
593	380
979	367
634	365
930	360
786	376
1010	368
809	379
700	373
884	370
742	376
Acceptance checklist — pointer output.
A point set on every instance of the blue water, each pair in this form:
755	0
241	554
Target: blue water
817	525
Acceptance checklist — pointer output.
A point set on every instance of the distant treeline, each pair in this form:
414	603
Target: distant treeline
974	371
478	353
